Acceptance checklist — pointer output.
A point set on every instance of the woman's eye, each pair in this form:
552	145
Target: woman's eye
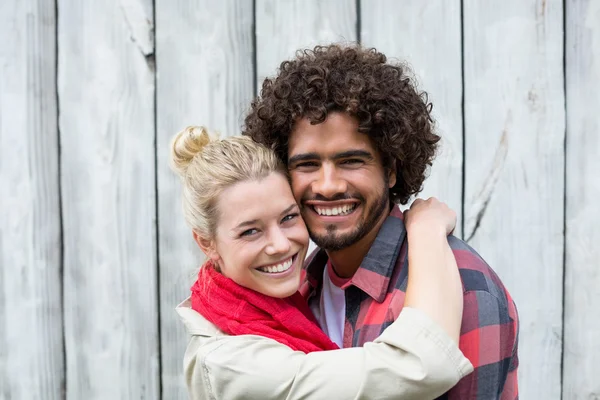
249	232
289	217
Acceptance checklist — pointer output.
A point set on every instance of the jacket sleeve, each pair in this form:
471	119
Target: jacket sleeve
412	359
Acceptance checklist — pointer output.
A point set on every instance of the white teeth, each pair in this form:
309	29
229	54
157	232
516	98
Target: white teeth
277	268
345	209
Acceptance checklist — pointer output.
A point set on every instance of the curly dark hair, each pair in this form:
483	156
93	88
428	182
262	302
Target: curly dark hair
359	81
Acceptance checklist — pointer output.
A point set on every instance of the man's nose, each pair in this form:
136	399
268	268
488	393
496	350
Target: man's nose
328	182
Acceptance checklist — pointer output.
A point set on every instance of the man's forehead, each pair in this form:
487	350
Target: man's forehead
329	145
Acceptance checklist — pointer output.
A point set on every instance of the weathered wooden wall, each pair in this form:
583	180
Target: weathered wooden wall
32	352
514	175
106	124
93	248
581	379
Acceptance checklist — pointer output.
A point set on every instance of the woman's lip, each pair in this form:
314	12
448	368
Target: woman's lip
282	273
278	262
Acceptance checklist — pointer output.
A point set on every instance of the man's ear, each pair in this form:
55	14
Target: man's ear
207	246
392	173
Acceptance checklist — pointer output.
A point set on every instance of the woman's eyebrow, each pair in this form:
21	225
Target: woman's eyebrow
290	208
246	223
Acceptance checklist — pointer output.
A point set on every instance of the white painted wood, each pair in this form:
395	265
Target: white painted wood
106	95
582	297
426	35
31	349
282	27
515	123
205	77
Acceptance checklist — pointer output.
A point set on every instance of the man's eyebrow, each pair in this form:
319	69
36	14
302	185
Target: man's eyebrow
354	153
345	154
303	157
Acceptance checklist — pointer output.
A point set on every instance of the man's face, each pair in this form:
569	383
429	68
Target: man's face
338	180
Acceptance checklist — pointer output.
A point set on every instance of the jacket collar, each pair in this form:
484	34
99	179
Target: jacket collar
194	322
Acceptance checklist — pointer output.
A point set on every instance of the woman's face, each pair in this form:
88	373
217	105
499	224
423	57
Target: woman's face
261	240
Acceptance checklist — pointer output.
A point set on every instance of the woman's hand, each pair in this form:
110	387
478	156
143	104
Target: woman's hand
429	216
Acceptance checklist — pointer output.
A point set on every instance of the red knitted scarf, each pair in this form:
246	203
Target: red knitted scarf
237	310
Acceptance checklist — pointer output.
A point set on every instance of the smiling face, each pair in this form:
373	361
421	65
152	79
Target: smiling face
339	180
260	240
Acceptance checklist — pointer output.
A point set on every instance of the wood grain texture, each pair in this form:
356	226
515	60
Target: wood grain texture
515	124
582	274
31	349
205	77
426	35
282	27
106	94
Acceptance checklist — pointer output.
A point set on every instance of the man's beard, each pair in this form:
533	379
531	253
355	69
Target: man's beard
332	242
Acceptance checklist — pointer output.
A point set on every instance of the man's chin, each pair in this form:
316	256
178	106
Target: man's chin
333	242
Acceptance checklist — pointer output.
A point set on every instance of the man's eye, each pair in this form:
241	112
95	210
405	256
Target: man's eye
352	161
249	232
307	164
289	217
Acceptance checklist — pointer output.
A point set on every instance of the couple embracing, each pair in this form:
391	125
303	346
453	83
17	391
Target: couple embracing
390	305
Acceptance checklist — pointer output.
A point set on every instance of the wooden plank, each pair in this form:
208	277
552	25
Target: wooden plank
205	77
282	27
515	123
582	298
106	93
31	332
427	36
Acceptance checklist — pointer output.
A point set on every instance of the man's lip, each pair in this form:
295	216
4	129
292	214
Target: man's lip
320	203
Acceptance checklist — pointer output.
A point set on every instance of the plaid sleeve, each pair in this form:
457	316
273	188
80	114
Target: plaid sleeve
511	386
489	340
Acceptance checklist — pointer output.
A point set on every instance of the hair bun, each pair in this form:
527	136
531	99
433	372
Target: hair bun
185	145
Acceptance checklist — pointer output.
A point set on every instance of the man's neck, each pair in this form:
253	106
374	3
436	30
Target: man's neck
347	261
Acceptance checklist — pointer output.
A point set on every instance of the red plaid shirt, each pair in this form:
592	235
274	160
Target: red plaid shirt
375	297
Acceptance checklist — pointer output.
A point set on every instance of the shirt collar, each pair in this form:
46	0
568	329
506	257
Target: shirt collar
373	275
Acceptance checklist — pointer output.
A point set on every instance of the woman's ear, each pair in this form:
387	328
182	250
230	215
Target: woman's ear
207	246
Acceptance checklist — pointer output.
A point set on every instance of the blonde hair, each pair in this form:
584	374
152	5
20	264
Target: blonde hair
207	165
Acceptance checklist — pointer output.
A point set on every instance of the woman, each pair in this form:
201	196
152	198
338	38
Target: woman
253	335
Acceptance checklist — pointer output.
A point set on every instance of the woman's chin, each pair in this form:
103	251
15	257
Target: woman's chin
282	289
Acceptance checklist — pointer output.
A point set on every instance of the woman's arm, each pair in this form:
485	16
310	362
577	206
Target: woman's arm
434	284
413	359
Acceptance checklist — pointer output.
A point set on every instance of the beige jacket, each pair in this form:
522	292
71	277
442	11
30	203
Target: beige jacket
412	359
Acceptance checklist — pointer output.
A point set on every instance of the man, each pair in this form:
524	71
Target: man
358	138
